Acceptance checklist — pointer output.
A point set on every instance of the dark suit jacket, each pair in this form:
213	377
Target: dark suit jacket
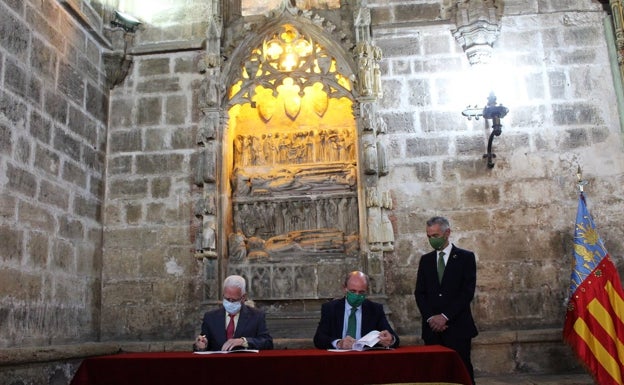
332	321
251	325
452	296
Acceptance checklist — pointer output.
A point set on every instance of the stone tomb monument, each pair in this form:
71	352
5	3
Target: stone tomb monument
288	165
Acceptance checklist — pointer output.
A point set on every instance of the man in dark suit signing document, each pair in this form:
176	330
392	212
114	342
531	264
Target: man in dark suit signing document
234	325
345	320
445	287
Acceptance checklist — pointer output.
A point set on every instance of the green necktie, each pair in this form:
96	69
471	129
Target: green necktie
440	266
351	325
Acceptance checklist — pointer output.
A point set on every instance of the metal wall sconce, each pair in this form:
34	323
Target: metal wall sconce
495	113
117	62
128	22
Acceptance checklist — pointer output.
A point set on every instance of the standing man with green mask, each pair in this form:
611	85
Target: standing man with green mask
445	287
345	320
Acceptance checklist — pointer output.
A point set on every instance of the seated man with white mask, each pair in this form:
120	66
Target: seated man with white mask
235	325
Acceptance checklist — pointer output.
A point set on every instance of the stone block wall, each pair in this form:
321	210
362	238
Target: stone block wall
53	119
519	216
151	283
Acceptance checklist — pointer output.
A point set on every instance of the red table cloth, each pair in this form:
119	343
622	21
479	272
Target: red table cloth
297	366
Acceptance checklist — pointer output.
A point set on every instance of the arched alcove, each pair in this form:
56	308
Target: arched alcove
289	162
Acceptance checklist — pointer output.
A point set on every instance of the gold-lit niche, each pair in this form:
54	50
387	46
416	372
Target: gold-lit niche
292	136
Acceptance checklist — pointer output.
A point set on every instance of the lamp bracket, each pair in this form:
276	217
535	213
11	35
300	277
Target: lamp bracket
492	111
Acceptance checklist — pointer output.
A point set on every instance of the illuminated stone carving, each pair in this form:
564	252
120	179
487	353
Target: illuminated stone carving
478	27
288	126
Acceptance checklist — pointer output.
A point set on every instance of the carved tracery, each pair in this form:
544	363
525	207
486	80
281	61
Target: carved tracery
293	138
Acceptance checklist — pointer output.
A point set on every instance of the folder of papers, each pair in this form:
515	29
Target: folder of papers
367	342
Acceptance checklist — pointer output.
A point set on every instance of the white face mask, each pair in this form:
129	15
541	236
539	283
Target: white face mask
231	307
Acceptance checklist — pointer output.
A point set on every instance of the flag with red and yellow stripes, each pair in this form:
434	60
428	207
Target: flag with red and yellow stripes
594	324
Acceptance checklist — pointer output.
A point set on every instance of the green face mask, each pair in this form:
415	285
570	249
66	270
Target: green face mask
437	243
354	299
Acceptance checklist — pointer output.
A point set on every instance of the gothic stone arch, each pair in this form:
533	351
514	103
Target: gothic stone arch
289	159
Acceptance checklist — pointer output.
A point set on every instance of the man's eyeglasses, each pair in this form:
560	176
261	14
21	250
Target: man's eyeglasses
232	299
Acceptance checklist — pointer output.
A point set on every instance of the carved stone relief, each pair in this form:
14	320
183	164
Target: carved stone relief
283	146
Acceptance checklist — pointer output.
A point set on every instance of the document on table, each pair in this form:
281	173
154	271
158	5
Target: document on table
365	343
227	351
368	340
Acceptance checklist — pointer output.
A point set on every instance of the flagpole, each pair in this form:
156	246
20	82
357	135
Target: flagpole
580	181
594	322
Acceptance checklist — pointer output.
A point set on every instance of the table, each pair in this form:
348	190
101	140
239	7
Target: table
287	366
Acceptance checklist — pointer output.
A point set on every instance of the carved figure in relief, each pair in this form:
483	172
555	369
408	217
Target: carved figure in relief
343	211
248	225
209	166
382	127
238	149
376	73
236	247
309	147
387	232
208	241
268	149
310	241
367	116
268	215
382	161
246	151
198	237
209	125
321	144
278	217
338	178
374	227
267	219
386	200
258	150
370	155
349	146
240	183
372	198
256	248
365	68
212	91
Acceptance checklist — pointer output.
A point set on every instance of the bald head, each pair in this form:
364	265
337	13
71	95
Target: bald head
356	282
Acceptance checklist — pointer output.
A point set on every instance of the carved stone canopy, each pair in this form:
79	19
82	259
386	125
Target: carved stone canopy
478	27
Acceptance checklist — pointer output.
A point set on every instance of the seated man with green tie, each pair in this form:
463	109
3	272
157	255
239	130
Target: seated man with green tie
345	320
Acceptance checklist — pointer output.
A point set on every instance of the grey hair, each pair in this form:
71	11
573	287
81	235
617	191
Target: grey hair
235	281
443	222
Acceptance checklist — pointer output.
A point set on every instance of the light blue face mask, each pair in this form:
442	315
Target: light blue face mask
231	307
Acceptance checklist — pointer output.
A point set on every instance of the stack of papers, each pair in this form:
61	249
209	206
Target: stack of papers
368	340
365	343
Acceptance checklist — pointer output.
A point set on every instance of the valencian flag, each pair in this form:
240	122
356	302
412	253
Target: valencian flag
594	324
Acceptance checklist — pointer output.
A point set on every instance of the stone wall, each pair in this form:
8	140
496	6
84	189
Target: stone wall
53	121
518	216
151	283
53	118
